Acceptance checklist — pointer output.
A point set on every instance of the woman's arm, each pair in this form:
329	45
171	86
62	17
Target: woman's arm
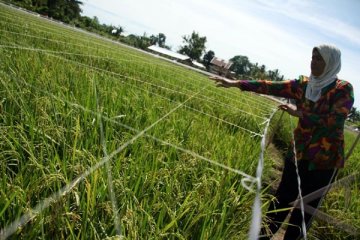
287	89
226	83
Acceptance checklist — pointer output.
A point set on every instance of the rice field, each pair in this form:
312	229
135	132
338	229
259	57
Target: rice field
98	140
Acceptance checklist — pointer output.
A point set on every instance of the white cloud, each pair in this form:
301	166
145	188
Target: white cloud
316	15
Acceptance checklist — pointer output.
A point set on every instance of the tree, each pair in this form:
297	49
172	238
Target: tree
257	72
64	10
154	39
194	46
40	6
158	39
277	76
116	31
142	42
72	9
354	115
161	39
23	3
254	69
241	65
207	58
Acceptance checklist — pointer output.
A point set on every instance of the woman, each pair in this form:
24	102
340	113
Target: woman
322	104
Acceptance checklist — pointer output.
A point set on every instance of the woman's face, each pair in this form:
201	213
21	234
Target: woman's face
317	63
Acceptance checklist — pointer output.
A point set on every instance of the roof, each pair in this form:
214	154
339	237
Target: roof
168	52
221	62
197	64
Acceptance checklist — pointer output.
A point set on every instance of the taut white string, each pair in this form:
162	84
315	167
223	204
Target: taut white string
303	225
256	217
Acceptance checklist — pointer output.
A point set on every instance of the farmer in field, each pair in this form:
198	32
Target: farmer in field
322	104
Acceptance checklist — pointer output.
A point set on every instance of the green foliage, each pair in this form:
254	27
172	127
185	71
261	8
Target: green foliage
208	56
64	10
354	115
241	65
194	46
69	11
158	40
144	41
244	69
138	41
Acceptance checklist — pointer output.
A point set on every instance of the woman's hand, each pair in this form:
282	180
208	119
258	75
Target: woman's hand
291	110
223	82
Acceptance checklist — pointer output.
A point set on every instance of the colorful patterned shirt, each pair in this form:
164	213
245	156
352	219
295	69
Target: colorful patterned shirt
319	135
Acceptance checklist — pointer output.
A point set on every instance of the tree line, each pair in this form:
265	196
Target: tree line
194	47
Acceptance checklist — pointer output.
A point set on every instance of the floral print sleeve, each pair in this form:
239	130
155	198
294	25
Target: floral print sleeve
287	89
319	135
339	110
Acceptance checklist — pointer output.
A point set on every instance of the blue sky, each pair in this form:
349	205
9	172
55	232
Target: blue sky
277	33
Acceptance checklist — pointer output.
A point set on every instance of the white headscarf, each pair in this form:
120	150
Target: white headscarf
332	58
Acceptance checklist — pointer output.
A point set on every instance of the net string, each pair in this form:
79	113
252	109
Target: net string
303	225
256	214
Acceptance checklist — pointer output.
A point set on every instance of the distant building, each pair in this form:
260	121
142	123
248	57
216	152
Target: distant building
221	67
168	53
198	65
175	56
